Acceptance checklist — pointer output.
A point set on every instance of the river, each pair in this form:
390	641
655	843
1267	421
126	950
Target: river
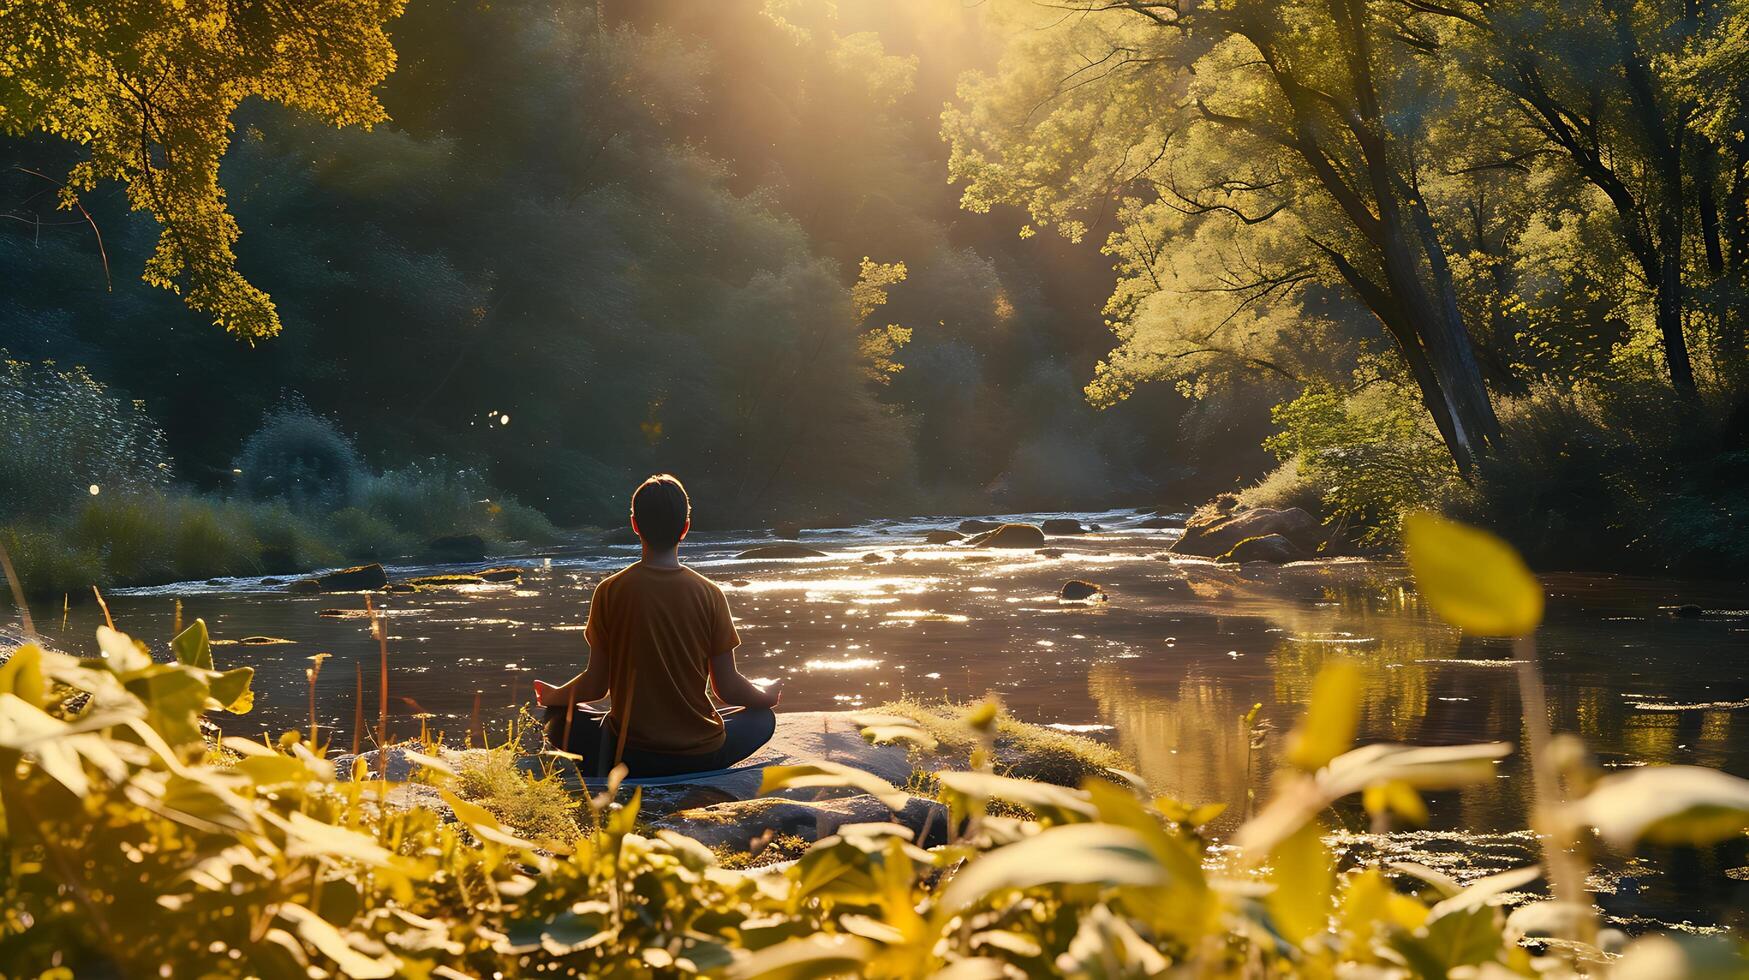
1164	667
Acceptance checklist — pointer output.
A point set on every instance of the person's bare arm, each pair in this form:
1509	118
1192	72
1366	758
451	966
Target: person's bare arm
733	688
590	685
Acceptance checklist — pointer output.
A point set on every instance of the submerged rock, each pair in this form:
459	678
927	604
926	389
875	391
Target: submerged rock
784	549
1272	548
359	578
874	558
737	825
440	581
1063	525
508	573
1009	536
1688	611
1214	535
400	588
1076	590
941	537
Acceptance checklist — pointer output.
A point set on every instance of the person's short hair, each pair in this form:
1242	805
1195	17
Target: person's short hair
660	508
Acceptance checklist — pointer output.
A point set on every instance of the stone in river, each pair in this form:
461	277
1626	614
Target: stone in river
1049	552
1272	548
438	581
1688	611
400	588
1063	525
1211	536
1010	536
359	578
941	537
508	573
874	558
1160	523
457	547
1075	590
783	549
972	525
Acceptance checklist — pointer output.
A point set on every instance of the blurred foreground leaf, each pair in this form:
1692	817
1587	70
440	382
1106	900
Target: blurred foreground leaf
1472	579
1668	805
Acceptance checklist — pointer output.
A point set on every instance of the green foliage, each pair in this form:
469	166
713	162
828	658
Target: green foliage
1615	474
1373	456
299	457
133	847
148	89
64	437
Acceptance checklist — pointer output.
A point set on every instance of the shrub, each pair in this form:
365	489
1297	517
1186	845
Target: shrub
1372	453
519	522
1615	475
299	457
49	566
62	433
430	498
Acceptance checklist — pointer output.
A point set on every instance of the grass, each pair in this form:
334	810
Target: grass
171	535
1022	750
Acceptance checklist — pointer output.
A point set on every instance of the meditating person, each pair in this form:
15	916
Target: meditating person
660	639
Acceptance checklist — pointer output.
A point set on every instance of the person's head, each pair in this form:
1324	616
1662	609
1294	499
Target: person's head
661	512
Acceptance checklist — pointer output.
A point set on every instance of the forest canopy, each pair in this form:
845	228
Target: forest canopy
1397	247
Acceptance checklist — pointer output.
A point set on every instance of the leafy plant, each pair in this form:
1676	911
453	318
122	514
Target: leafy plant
131	847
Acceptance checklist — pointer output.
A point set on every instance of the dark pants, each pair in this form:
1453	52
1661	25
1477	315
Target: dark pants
593	738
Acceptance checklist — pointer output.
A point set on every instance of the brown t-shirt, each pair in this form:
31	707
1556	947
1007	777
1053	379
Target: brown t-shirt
668	623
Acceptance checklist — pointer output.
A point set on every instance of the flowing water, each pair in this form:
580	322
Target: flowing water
1163	667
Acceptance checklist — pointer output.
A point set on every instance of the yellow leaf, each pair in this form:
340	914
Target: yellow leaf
1327	730
1472	579
1304	877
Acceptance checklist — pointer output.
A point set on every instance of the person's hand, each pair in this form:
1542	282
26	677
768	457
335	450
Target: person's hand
771	689
542	691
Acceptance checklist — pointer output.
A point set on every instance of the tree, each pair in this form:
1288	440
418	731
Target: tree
1297	128
1644	103
148	88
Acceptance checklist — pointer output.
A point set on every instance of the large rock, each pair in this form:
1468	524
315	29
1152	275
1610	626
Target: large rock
1214	535
1076	590
359	578
941	537
457	547
801	736
1063	525
739	824
1272	548
783	549
1009	536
